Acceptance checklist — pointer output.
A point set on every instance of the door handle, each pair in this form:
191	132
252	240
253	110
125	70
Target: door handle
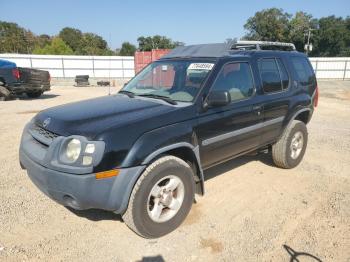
257	109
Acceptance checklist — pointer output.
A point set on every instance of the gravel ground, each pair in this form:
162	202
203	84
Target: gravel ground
252	211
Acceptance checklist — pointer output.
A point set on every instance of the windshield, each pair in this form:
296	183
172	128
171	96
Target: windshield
177	80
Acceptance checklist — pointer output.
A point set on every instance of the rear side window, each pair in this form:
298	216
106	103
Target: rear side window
305	73
283	73
270	75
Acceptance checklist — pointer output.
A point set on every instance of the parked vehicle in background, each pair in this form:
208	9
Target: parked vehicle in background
19	80
141	153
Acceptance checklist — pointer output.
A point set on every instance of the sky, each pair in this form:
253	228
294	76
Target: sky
191	22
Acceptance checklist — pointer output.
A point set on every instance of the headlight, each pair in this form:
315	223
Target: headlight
73	150
78	151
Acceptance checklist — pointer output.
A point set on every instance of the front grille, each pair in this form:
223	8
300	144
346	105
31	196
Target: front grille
42	135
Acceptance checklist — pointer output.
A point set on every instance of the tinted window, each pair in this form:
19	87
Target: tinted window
283	73
236	78
178	79
303	70
270	75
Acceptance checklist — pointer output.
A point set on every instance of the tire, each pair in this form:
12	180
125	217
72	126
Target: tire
286	155
4	93
34	94
138	215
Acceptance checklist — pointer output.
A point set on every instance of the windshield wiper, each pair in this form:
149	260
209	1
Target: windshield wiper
164	98
128	93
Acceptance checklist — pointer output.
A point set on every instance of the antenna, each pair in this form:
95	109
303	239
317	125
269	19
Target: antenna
109	67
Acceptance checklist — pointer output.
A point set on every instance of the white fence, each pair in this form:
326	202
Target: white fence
331	67
70	66
123	66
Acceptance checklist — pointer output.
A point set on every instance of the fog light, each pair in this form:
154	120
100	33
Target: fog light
90	148
87	160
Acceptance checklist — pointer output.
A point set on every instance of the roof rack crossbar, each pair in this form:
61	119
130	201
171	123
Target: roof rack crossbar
259	45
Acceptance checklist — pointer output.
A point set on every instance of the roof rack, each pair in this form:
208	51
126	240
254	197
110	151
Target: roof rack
262	45
222	49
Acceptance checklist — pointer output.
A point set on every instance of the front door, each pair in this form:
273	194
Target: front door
226	131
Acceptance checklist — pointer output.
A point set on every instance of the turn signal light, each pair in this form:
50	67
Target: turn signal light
107	174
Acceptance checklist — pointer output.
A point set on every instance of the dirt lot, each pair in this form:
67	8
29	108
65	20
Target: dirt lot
252	211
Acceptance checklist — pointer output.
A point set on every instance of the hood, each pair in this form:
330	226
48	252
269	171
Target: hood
90	118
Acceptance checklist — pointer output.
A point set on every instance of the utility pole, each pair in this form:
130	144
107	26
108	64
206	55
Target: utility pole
308	46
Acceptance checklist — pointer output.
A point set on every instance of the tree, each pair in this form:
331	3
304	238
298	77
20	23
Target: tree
13	39
127	49
299	25
93	44
42	40
72	37
56	47
332	37
156	42
268	25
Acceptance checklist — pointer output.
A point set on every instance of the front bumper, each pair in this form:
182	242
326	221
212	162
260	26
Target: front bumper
83	191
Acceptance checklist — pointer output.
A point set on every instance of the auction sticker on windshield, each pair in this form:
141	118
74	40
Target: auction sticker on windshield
201	66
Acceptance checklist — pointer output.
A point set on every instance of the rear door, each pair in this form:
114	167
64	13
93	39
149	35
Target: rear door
275	83
229	130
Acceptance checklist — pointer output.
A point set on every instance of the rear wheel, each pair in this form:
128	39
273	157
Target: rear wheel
161	198
290	148
34	94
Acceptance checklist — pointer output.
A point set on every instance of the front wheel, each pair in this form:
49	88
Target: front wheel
289	150
161	198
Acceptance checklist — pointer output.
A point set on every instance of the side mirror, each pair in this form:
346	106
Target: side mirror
1	83
218	98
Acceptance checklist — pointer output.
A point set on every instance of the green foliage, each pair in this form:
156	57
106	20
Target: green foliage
299	24
156	42
56	47
333	37
13	39
92	44
268	24
127	49
42	40
72	37
330	36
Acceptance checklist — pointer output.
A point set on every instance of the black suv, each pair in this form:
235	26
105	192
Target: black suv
141	153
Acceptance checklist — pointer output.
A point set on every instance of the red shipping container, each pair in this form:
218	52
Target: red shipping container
143	58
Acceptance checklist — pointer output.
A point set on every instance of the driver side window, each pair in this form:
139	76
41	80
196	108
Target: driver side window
237	79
